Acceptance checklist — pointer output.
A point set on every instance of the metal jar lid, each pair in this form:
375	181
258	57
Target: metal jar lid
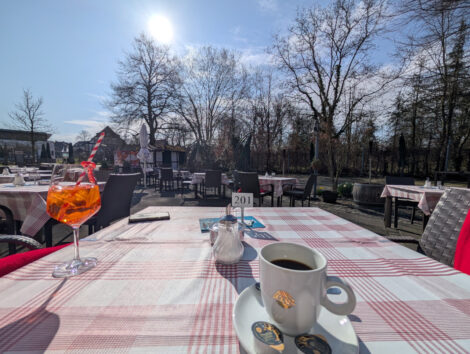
228	219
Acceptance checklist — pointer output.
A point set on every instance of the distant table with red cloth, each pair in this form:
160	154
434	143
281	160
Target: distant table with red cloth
427	198
156	288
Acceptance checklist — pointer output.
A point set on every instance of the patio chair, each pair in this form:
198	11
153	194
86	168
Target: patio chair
115	201
166	178
102	175
236	181
439	239
301	194
213	179
249	183
402	203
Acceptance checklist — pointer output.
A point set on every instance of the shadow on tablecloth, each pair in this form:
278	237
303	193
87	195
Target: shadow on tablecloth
240	275
33	332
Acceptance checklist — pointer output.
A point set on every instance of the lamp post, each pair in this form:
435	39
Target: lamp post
316	129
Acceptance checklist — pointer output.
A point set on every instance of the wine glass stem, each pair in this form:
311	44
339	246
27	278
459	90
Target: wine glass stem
76	237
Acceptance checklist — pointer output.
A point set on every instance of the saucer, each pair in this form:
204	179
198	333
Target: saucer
249	308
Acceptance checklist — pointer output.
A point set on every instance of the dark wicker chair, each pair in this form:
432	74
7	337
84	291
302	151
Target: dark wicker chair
301	194
402	203
212	179
236	181
19	240
115	200
102	175
249	183
439	239
166	178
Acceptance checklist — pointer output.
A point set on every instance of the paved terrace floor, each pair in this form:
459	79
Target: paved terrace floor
367	217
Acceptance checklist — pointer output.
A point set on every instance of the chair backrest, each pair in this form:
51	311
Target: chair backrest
309	186
249	183
439	239
116	198
166	174
213	179
102	175
236	180
403	181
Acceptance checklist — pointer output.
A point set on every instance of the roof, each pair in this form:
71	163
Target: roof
8	134
162	145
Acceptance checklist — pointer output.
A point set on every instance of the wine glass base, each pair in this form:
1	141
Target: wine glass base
74	267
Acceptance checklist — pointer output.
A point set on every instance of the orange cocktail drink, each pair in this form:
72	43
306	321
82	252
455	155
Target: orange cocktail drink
74	204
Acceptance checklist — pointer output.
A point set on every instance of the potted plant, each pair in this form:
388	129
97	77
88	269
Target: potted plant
329	196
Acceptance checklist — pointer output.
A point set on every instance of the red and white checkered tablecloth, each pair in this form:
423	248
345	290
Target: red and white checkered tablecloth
28	204
278	182
157	289
427	198
19	199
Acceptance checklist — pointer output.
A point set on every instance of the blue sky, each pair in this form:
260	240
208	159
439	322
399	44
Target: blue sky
67	50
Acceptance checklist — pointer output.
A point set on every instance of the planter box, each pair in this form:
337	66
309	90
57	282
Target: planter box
368	194
329	196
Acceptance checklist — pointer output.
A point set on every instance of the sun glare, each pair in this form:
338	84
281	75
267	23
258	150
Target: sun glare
160	28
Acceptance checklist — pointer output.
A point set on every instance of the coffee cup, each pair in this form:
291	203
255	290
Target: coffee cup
293	287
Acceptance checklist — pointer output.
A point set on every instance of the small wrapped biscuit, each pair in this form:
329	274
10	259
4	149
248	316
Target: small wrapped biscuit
268	338
312	344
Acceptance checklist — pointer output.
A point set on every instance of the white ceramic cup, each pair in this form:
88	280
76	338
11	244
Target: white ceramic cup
293	298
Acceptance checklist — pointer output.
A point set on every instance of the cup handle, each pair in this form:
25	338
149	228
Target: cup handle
342	308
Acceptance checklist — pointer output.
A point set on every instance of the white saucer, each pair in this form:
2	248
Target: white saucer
249	308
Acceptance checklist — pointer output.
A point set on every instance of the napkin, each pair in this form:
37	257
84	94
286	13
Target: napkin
462	251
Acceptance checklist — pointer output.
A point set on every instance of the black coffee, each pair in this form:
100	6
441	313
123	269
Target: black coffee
291	264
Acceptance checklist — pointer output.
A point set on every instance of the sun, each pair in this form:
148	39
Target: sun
160	28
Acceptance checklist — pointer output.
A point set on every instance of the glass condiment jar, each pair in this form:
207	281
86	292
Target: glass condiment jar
228	248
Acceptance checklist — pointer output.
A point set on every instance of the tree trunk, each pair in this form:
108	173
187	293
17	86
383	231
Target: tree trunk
33	148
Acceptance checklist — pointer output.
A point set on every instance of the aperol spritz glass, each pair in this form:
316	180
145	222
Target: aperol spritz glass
72	199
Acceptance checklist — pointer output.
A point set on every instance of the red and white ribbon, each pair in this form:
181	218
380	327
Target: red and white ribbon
93	153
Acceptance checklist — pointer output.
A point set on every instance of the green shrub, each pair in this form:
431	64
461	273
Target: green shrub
319	191
345	189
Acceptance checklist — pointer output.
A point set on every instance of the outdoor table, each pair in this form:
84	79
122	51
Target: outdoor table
277	182
28	204
11	176
183	174
198	179
156	288
427	198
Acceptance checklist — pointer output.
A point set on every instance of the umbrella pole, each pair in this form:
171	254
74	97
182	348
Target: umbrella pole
145	174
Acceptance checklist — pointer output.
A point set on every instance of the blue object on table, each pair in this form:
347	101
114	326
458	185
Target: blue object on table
206	223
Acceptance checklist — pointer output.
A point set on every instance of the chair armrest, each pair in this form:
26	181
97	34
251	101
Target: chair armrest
26	241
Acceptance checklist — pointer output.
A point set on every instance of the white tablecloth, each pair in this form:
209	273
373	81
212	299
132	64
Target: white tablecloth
278	182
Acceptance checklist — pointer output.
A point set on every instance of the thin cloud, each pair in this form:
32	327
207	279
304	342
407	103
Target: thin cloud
268	5
86	123
236	34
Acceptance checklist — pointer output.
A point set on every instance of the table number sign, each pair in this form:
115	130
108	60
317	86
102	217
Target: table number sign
242	201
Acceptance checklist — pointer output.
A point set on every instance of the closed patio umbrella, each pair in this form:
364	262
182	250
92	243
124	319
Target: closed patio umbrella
144	153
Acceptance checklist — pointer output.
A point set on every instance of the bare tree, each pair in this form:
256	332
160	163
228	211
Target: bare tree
147	84
83	135
326	55
213	85
269	110
29	116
